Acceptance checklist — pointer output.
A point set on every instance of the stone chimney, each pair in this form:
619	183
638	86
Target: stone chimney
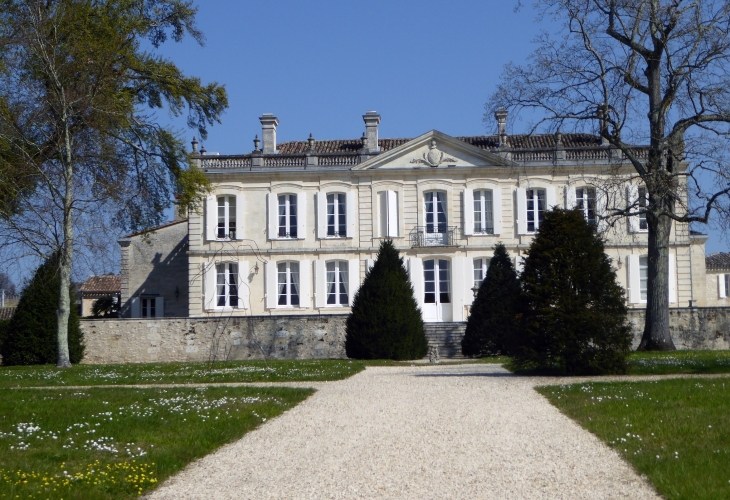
268	132
501	116
372	119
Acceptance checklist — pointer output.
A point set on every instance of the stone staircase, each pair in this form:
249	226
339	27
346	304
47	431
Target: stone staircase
447	336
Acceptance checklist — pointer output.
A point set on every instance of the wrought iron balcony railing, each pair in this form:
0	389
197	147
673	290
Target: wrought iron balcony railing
423	236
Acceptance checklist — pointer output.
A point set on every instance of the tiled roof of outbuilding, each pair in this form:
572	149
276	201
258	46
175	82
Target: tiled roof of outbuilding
7	312
101	284
719	260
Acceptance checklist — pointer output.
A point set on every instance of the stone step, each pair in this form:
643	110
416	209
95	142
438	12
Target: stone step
447	337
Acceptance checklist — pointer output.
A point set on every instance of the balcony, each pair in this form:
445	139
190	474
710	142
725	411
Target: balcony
423	236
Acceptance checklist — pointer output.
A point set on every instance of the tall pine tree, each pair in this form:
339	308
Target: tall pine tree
385	322
491	325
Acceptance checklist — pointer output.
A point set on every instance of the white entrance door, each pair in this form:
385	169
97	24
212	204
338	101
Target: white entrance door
435	218
437	291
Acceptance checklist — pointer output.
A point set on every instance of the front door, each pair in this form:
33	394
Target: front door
437	291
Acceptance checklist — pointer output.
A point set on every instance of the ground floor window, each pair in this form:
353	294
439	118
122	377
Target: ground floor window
227	285
436	279
147	307
480	271
644	276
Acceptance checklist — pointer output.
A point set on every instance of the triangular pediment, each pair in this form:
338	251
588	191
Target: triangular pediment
435	149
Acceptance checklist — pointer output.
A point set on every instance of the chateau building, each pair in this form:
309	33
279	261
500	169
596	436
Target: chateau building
291	228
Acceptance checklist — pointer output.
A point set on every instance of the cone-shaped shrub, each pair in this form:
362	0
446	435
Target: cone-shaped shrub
31	334
573	311
491	324
385	322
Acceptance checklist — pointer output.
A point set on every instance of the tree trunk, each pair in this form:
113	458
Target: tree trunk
656	335
65	259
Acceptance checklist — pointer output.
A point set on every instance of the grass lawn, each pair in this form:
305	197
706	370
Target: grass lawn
661	363
677	432
180	373
110	443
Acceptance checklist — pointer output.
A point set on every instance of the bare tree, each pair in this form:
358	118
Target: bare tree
651	72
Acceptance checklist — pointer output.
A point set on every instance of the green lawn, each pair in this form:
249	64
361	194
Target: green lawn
113	443
662	363
677	432
180	373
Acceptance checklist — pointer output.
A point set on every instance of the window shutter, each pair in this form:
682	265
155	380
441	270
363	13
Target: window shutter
458	298
305	283
632	196
244	292
239	216
273	204
468	281
321	215
550	199
320	284
353	276
135	308
519	265
270	273
468	197
211	217
521	211
370	264
301	216
634	280
392	214
351	197
672	279
569	197
497	210
209	281
159	307
720	287
415	271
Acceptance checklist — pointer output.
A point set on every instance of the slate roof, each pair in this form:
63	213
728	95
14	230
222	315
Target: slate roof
108	283
719	260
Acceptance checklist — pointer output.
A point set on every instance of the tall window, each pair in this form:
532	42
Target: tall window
643	203
287	216
643	276
435	212
480	271
288	281
483	218
585	199
148	307
337	283
336	215
727	284
226	285
535	209
436	282
226	217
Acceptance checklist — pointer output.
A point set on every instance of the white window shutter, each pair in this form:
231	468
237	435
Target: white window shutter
211	217
244	292
159	307
497	210
320	283
305	283
521	211
301	215
353	278
672	279
135	309
634	280
370	264
321	215
209	282
459	299
519	264
415	271
271	276
468	280
468	197
550	198
273	204
239	216
569	197
392	214
720	288
632	196
351	197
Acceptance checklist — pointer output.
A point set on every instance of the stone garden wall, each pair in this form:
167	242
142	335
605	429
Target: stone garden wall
191	339
691	327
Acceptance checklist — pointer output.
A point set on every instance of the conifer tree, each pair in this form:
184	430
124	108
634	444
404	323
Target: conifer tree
573	310
491	324
31	333
385	322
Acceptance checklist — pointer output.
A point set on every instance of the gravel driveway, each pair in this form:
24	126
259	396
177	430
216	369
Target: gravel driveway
459	431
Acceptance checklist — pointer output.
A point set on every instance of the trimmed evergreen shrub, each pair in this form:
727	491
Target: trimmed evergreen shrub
31	336
385	322
4	328
573	311
491	324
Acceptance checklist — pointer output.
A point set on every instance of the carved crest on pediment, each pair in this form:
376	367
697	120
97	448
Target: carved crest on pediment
434	157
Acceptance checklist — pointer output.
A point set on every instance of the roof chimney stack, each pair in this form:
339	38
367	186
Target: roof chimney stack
268	132
501	116
372	119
